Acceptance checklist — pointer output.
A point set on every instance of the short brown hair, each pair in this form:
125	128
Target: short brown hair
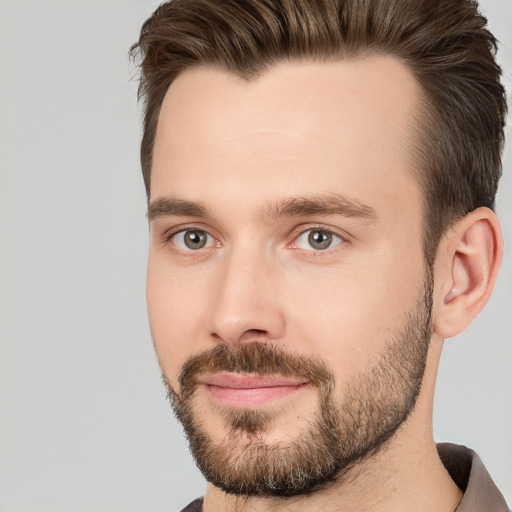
445	43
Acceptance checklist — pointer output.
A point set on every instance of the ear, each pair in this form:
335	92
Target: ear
467	264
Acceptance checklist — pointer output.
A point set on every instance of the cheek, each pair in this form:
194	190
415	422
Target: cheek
347	317
173	310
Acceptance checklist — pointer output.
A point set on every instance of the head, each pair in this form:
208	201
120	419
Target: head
295	154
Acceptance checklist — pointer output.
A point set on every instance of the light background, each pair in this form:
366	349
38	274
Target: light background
84	425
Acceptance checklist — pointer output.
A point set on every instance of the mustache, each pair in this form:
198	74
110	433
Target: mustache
256	358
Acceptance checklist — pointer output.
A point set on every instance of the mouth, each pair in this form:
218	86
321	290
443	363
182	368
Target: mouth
243	391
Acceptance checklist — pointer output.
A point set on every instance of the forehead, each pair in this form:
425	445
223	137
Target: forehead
301	126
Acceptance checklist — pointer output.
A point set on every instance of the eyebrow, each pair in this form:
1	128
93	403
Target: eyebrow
169	207
328	204
324	205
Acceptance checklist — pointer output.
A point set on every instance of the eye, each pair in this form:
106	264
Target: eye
192	240
317	239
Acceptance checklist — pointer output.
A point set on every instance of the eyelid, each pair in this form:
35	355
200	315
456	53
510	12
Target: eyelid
168	233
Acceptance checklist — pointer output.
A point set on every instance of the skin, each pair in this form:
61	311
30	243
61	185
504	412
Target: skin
304	130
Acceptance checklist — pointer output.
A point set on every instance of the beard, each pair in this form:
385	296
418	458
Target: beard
344	432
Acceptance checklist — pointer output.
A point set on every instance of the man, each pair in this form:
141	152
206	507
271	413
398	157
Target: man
321	178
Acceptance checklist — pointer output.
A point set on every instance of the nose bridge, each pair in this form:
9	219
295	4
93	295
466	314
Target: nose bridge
246	300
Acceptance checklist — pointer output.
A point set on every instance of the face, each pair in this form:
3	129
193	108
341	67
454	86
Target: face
290	333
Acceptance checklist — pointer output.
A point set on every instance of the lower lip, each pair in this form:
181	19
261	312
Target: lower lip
246	397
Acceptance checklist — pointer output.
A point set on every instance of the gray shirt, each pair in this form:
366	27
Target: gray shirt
468	472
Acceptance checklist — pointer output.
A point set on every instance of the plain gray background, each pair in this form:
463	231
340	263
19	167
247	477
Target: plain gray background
84	424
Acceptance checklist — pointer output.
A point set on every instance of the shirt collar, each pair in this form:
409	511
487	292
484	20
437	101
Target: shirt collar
468	472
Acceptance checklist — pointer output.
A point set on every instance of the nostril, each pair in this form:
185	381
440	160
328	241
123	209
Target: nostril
253	335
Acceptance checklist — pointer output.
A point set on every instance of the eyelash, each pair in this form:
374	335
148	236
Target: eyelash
168	237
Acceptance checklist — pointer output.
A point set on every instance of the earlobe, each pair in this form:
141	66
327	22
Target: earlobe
471	261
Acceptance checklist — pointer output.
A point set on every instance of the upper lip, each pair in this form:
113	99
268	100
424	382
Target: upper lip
247	381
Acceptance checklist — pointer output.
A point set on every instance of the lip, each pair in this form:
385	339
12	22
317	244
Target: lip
242	391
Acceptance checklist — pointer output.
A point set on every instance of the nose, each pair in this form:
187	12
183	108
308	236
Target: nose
246	305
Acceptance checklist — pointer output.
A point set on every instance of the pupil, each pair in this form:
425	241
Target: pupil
195	239
320	239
